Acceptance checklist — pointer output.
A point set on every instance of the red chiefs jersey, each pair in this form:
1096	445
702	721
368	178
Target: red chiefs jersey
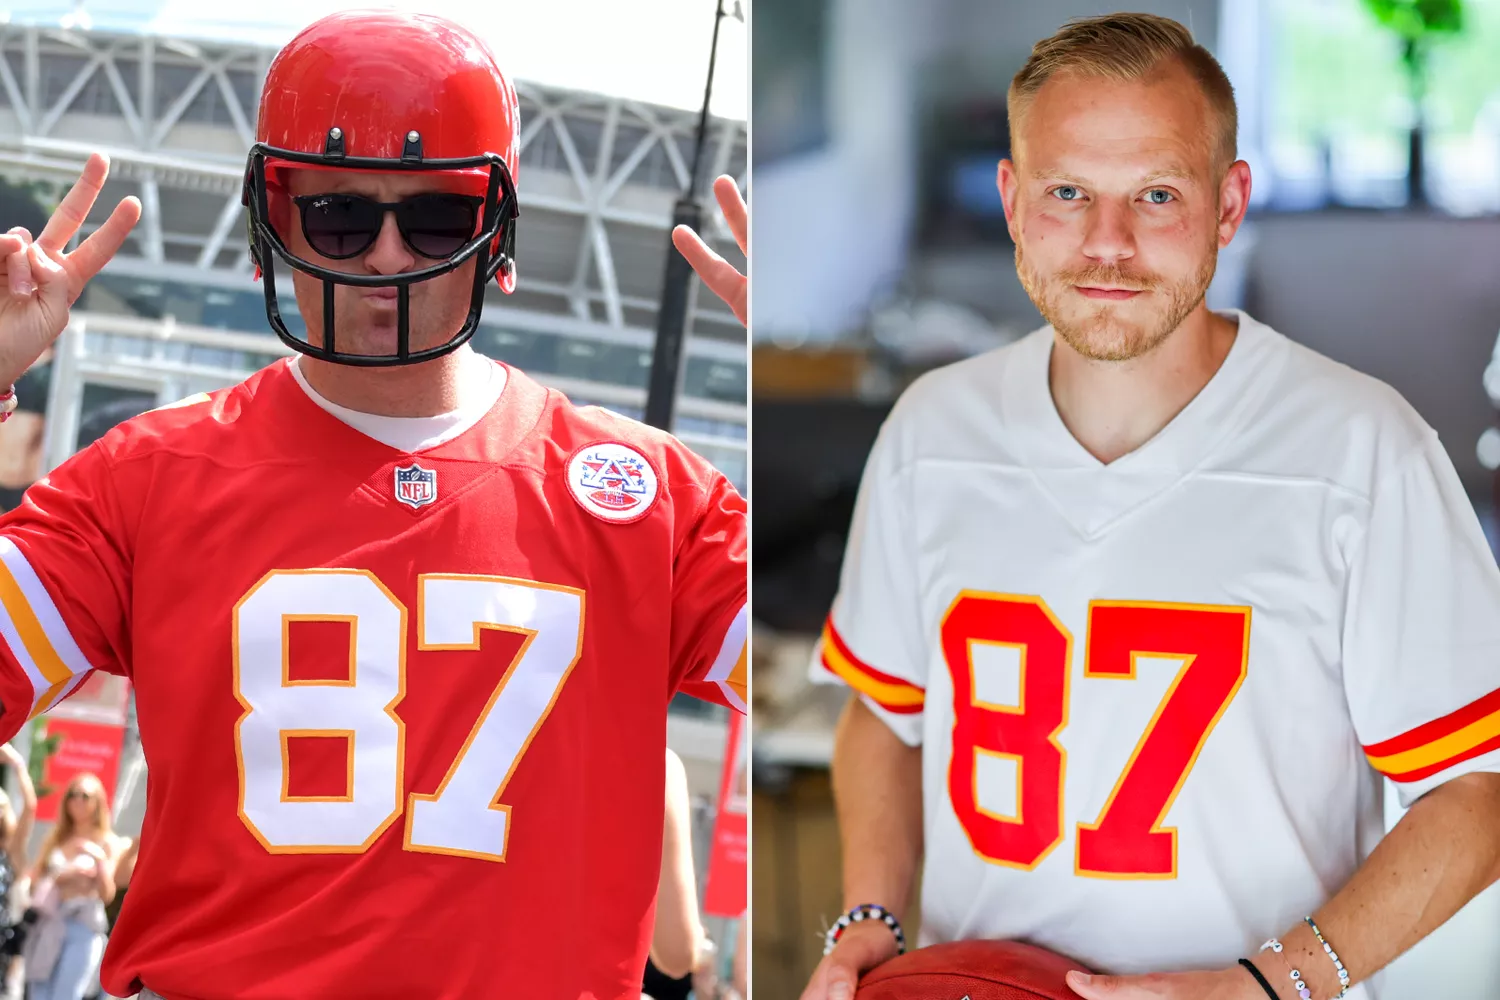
404	714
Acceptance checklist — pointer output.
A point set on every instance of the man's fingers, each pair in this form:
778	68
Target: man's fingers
735	212
717	273
699	254
817	986
841	982
1108	987
76	204
105	242
18	276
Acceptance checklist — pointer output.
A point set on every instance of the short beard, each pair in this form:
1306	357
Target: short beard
1099	333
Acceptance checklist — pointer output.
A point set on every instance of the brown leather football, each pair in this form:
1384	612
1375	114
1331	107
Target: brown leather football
976	970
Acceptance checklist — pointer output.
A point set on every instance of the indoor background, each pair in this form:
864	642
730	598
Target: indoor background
881	251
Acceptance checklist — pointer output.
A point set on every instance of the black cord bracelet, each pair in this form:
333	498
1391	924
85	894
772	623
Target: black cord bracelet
1259	978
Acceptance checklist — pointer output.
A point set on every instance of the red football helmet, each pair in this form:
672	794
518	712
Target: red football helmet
386	91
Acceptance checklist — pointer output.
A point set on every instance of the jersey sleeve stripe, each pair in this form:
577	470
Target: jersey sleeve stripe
1433	746
26	611
1429	732
728	670
891	693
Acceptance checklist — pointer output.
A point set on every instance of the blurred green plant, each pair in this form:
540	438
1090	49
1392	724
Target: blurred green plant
1418	25
43	745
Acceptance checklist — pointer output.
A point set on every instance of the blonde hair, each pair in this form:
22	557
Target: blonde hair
1128	46
102	832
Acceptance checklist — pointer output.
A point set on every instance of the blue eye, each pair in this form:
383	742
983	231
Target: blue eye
1067	193
1166	196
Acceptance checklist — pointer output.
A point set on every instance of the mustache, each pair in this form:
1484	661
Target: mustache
1112	277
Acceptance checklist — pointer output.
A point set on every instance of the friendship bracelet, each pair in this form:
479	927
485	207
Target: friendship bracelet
8	404
1328	949
1259	978
1303	990
865	911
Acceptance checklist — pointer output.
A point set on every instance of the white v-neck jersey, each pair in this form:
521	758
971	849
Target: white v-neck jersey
1156	697
414	434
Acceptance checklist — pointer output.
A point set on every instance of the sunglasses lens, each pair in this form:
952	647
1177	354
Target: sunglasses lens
340	225
438	225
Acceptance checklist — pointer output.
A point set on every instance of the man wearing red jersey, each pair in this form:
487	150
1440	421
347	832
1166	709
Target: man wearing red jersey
402	623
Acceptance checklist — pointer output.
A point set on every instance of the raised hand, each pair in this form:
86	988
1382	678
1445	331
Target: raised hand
39	282
717	273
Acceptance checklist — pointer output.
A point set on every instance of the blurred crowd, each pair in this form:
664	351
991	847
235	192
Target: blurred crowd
61	902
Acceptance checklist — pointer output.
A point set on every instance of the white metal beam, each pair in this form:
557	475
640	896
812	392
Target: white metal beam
13	91
66	98
151	219
228	216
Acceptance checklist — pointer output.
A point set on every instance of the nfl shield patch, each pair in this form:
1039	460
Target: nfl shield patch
612	481
416	486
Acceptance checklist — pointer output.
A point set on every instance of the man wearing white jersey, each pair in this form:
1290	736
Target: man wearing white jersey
1140	609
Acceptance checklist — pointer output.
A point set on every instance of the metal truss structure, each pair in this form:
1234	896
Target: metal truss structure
598	178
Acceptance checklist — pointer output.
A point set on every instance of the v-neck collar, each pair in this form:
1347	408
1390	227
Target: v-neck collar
1092	495
1031	413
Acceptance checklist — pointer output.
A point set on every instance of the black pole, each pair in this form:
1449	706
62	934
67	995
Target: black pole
671	316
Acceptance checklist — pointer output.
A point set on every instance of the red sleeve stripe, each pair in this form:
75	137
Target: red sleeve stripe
1441	743
891	693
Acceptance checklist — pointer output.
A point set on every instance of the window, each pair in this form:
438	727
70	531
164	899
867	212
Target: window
1325	107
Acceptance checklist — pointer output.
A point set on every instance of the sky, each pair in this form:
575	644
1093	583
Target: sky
648	50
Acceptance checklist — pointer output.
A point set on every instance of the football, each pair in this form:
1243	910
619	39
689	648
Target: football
971	970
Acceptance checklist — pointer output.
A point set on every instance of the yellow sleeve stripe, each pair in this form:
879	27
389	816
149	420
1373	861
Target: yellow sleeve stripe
1472	740
729	668
33	629
890	693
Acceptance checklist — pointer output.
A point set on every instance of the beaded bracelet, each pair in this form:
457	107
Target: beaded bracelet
865	911
1328	949
1297	981
8	404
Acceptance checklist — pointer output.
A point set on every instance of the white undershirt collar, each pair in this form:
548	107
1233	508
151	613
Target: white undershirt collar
484	382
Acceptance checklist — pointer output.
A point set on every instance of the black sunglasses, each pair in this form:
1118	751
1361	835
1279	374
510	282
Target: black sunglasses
434	225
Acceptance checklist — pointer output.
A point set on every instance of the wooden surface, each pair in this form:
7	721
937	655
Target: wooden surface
795	880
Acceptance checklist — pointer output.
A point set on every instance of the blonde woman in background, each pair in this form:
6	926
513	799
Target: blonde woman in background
72	881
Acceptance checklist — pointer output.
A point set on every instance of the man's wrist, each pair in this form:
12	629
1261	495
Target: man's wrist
1317	969
871	934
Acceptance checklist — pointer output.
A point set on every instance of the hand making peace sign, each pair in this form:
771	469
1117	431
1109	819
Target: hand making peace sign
39	282
717	273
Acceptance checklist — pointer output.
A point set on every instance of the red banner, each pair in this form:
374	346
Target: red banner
103	698
85	746
728	873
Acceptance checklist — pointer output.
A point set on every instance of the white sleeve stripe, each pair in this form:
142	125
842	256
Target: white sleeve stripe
41	622
46	612
39	684
730	652
76	680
